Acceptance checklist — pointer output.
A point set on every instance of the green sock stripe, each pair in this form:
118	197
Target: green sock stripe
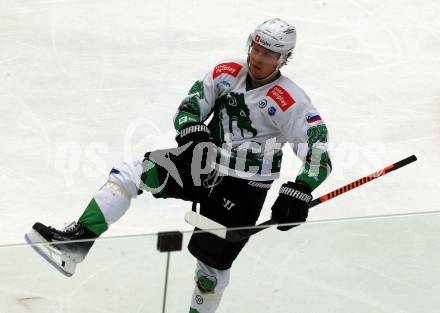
192	310
93	218
152	180
150	177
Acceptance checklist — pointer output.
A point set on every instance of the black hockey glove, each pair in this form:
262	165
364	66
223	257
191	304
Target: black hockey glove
199	146
195	133
292	204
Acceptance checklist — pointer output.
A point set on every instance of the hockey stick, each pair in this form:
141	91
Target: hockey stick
235	235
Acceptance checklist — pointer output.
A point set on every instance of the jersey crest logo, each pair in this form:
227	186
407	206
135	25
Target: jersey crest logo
231	115
281	97
230	68
238	113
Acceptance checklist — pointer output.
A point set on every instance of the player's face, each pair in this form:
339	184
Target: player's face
262	61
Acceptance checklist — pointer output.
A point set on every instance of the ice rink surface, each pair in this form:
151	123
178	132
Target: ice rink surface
84	84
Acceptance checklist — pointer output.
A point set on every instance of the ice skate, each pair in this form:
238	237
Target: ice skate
67	247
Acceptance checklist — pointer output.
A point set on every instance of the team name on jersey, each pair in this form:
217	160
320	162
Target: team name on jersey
230	68
281	97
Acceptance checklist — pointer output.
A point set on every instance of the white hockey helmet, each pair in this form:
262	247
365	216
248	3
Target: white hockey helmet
276	35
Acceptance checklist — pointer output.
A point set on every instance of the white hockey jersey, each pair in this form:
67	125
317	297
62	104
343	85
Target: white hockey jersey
250	126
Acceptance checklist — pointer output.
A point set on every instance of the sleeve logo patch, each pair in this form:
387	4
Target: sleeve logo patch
281	97
230	68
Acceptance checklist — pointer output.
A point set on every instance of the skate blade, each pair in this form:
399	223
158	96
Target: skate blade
52	255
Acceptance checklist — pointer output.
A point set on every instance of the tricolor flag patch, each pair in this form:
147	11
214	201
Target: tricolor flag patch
313	119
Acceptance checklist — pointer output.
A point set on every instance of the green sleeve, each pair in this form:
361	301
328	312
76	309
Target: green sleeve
317	166
189	109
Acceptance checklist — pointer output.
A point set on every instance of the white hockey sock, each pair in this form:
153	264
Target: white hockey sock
210	284
205	303
112	201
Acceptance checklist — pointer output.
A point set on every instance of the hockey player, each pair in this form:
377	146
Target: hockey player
226	166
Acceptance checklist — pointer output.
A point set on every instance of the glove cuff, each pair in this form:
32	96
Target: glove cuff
297	191
194	131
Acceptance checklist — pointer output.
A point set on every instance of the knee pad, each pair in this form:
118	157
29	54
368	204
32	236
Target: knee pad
210	280
127	175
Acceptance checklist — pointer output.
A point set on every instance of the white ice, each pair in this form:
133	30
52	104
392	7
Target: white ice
84	84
